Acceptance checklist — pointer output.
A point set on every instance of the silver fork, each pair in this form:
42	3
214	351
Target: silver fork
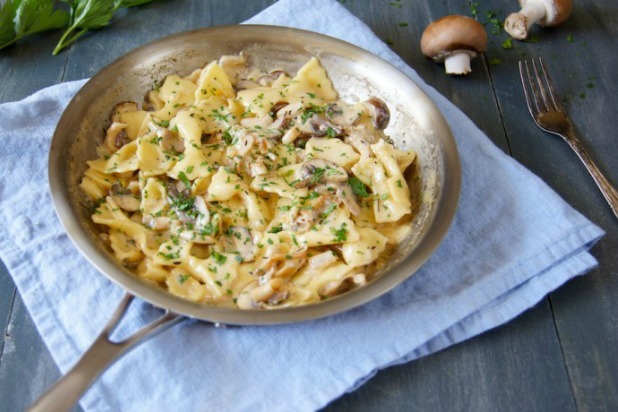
549	115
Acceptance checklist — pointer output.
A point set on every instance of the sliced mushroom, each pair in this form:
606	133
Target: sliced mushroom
319	126
243	243
341	192
337	287
257	167
322	260
116	136
360	137
152	101
279	262
285	115
125	199
305	220
181	201
346	195
378	110
203	217
267	80
342	114
255	295
320	171
278	297
276	108
170	140
156	223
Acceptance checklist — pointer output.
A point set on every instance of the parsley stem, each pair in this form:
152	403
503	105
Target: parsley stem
64	42
8	43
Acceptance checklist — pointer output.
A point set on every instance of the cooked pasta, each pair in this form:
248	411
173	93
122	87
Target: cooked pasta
241	188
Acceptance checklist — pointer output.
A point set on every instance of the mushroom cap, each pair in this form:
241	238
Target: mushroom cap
556	11
453	33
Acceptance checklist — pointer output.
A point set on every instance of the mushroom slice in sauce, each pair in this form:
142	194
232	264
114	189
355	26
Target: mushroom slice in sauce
267	80
342	114
125	199
243	243
319	126
255	295
116	136
380	115
346	195
337	287
280	262
320	171
180	200
170	140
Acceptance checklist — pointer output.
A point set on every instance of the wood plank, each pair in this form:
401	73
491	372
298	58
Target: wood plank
134	28
27	369
7	294
578	57
498	371
20	77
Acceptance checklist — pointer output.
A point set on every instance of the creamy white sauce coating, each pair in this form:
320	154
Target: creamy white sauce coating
250	189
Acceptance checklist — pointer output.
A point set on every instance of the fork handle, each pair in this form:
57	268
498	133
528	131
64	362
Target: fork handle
607	189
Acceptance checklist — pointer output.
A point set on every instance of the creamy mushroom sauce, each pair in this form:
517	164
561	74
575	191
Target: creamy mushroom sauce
250	189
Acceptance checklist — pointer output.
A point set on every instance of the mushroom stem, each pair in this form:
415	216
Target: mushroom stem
518	24
458	62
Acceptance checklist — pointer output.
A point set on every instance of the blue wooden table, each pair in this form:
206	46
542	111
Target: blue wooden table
561	355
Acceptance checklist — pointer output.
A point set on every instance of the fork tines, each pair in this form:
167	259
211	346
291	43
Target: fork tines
538	87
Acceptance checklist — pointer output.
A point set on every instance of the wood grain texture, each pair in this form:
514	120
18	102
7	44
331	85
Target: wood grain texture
560	356
498	371
578	57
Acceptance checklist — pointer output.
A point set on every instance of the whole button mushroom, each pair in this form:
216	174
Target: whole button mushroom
454	40
546	13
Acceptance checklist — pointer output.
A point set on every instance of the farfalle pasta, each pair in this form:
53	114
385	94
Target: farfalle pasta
242	188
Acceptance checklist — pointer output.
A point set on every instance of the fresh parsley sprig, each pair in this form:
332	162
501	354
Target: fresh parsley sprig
20	18
88	15
85	15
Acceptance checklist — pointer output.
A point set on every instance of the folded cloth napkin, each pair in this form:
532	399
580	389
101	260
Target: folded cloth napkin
513	241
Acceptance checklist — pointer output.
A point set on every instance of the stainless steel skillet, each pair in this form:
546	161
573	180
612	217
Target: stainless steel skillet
415	124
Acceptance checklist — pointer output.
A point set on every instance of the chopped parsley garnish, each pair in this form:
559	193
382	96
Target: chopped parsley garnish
310	111
341	234
328	210
507	44
276	229
227	138
182	278
183	204
358	187
209	229
183	178
218	258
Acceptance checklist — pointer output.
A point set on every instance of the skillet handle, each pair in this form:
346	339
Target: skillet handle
103	353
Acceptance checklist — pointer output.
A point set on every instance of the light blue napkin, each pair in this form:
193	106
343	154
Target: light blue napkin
512	242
